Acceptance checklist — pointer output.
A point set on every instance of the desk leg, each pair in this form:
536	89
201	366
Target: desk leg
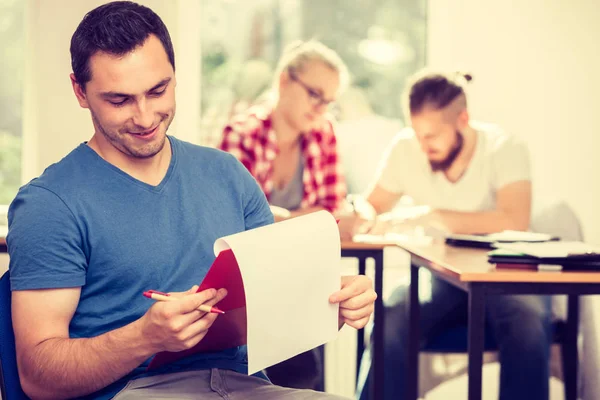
378	330
360	334
571	353
414	318
476	338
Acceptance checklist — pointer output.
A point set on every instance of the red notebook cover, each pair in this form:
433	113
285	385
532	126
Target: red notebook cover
516	266
229	330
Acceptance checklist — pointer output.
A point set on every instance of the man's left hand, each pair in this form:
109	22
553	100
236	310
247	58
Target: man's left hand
356	299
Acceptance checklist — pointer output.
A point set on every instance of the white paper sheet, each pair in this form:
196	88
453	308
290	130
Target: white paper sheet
289	270
505	236
557	249
519	236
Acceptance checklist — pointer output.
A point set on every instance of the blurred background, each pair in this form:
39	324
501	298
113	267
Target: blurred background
535	74
382	42
12	41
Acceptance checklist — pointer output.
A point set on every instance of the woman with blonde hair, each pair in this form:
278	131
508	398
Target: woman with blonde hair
288	141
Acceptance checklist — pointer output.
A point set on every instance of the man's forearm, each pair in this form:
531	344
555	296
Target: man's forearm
65	368
477	222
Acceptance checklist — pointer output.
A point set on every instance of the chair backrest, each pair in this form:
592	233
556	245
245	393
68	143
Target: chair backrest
557	219
9	376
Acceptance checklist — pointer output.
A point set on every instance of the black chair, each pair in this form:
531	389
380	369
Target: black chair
10	386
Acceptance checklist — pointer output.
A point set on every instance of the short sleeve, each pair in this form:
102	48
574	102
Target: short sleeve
257	212
44	242
510	161
389	173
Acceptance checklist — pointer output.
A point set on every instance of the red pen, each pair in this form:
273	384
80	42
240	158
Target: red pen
160	296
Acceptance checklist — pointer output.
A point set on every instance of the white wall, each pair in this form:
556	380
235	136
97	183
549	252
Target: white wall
53	121
536	68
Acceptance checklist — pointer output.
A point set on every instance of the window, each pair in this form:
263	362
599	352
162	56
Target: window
381	41
12	17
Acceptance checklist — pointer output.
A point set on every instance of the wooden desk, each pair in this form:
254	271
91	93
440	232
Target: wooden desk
469	270
363	251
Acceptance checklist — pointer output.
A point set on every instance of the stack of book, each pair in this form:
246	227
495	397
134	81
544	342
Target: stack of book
552	255
529	250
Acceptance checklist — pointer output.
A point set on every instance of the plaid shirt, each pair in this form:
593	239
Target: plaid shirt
250	138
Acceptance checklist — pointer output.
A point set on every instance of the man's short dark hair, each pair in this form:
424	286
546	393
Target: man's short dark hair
115	28
434	90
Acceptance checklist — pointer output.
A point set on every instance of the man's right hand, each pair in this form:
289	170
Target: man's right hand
179	325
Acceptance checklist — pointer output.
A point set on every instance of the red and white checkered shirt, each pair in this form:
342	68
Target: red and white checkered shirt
250	138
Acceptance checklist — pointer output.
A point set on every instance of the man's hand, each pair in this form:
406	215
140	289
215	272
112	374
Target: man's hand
383	224
349	225
356	218
356	298
191	290
179	325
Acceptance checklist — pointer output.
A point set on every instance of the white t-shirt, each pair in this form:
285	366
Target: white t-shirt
499	159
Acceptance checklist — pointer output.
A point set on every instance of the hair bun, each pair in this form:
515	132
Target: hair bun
293	46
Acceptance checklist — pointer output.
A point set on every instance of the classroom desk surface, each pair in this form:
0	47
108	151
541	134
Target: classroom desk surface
471	265
365	246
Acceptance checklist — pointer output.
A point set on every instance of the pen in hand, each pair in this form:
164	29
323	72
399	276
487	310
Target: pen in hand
160	296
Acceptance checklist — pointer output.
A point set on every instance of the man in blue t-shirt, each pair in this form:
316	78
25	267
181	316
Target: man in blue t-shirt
133	209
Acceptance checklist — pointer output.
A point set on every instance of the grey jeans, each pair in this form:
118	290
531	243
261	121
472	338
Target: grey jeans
213	384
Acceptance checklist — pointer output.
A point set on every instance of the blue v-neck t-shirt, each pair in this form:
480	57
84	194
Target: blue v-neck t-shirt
85	223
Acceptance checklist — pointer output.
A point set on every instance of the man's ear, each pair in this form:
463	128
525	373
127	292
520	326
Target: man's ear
463	119
79	92
284	80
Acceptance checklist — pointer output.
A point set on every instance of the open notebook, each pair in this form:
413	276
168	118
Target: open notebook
560	249
488	241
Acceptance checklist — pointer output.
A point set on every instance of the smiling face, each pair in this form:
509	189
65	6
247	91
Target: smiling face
131	99
305	94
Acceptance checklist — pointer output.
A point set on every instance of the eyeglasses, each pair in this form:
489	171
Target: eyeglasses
315	98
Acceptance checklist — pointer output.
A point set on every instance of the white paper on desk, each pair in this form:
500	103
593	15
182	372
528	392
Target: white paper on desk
289	271
505	236
393	238
519	236
556	249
